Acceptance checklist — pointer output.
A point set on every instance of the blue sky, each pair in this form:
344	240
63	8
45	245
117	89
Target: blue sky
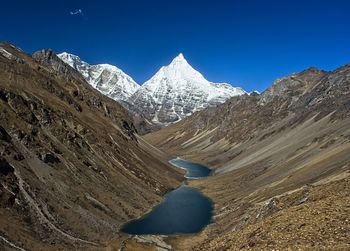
248	43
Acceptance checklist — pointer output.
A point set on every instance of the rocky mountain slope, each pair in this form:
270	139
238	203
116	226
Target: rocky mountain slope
108	79
281	163
72	167
177	91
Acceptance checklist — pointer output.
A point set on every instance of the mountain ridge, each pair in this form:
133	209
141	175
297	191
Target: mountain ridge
178	80
108	79
72	168
177	90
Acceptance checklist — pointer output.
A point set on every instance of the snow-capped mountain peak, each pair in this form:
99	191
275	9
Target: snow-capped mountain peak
177	90
183	69
69	58
174	92
179	62
108	79
179	58
178	74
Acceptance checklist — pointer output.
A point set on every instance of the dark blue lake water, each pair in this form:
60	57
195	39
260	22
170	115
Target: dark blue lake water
184	210
193	170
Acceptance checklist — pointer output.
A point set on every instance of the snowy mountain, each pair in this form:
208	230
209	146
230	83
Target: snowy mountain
174	92
108	79
177	91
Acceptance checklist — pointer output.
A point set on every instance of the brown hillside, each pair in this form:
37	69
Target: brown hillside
72	168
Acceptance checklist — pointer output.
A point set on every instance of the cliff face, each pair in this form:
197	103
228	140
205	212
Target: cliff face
281	159
72	168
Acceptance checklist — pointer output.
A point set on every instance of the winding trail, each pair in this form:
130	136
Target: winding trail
11	244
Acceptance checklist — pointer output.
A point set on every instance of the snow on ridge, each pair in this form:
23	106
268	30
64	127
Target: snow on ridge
107	78
174	92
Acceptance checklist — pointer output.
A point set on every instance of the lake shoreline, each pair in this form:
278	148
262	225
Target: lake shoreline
194	225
